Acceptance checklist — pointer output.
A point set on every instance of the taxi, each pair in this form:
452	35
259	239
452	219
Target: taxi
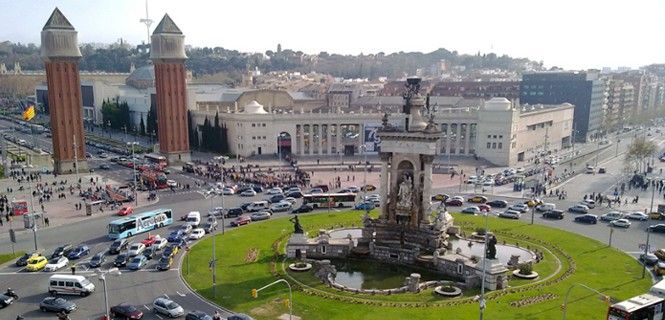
478	199
36	263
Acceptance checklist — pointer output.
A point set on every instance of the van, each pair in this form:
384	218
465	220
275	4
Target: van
546	207
590	170
658	289
258	206
69	284
193	219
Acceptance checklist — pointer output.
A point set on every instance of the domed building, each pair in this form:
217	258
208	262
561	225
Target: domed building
142	78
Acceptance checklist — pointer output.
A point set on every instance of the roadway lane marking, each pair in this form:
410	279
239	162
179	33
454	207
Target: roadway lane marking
181	294
146	307
156	315
167	297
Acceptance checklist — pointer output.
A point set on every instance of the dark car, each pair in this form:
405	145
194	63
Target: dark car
175	236
23	260
294	194
242	220
454	203
104	166
303	209
150	252
239	316
61	251
276	198
126	311
5	300
55	304
164	263
244	206
553	214
97	260
235	212
121	260
78	252
257	189
659	228
197	315
587	218
170	250
118	245
497	203
210	226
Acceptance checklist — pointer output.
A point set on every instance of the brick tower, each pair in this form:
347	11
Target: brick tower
167	51
61	56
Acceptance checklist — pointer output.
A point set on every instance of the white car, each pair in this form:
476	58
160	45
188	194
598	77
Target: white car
274	191
281	206
248	193
519	207
472	180
460	198
290	200
488	182
197	234
135	249
228	191
622	223
510	214
167	307
589	203
171	183
160	243
611	216
637	215
258	216
56	264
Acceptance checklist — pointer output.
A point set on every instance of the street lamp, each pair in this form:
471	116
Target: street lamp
102	277
363	148
108	125
255	294
481	300
125	129
136	198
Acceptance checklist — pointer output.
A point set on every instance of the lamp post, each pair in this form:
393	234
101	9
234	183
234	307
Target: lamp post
125	129
364	188
255	294
564	306
481	300
109	127
136	198
102	278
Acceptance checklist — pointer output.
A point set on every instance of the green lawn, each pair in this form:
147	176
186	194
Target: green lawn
4	257
593	264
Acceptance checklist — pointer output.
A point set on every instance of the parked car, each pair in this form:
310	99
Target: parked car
62	250
303	209
579	208
248	193
167	307
136	249
621	223
657	228
649	259
510	214
78	252
242	220
478	199
637	215
126	311
554	214
258	216
280	207
164	263
55	304
137	262
97	260
612	215
587	218
118	245
274	191
197	315
471	210
497	203
36	263
197	234
126	210
121	260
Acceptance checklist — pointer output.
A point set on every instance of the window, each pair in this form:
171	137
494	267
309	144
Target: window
500	145
54	283
460	268
323	249
494	136
500	136
489	145
264	137
263	124
253	125
489	136
61	283
69	284
493	145
253	138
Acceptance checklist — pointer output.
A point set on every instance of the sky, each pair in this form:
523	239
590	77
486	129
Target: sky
572	34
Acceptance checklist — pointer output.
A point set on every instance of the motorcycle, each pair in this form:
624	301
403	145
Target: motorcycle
11	293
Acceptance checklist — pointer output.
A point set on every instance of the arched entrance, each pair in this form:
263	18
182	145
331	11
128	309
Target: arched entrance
284	143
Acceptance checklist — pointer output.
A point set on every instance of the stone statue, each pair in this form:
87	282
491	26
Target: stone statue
491	247
297	228
405	190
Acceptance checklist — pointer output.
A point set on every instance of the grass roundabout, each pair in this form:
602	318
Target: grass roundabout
252	256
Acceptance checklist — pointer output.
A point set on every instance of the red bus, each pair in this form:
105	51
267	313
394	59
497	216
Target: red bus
645	306
158	161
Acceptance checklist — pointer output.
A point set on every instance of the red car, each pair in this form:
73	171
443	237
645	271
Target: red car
125	211
454	203
484	208
242	220
125	311
150	239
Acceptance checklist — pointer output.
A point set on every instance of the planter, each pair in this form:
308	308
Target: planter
531	276
440	291
299	268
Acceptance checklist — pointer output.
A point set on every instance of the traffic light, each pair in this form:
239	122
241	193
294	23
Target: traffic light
255	294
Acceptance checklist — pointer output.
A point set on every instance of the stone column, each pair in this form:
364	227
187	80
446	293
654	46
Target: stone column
319	133
329	145
457	138
427	188
467	136
385	157
340	146
301	140
446	141
361	128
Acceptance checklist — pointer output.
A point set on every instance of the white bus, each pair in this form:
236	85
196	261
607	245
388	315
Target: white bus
330	200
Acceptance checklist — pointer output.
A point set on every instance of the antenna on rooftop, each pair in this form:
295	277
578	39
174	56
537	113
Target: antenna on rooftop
147	21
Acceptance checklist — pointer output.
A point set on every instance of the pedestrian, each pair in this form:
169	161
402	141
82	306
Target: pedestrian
46	221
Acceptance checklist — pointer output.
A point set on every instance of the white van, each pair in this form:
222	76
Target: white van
68	284
658	289
258	206
193	219
546	207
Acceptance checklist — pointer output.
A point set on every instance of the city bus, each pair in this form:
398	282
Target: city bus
158	161
139	223
645	306
330	200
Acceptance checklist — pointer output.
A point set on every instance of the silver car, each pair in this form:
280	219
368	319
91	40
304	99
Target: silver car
167	307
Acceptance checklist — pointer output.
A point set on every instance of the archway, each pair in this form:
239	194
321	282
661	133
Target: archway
284	143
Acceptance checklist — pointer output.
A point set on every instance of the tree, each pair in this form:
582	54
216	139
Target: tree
142	127
152	120
638	154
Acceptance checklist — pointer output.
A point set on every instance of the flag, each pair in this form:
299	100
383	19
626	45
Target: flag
29	112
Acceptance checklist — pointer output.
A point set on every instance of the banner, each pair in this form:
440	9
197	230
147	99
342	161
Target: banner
372	141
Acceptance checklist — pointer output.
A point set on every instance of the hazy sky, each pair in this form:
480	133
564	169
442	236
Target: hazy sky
573	34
